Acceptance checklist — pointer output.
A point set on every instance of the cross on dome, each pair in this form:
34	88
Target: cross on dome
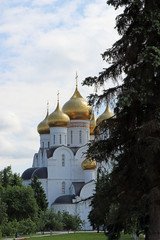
76	80
58	96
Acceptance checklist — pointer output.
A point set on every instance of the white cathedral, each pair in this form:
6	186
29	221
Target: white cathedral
67	176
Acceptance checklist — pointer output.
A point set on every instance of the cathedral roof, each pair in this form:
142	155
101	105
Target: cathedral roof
105	115
43	127
64	199
89	164
77	107
77	187
92	124
41	173
27	174
51	150
58	118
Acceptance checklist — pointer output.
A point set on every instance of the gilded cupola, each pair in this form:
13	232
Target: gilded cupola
92	124
89	164
77	107
105	115
43	127
58	118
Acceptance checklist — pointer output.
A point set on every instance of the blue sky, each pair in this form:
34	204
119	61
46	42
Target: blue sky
42	45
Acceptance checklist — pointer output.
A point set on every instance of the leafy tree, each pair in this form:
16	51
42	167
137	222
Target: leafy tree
16	180
20	202
5	176
39	194
133	143
27	226
71	222
49	220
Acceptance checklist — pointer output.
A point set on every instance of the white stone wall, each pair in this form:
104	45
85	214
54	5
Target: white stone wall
81	208
58	136
88	190
78	133
89	175
44	140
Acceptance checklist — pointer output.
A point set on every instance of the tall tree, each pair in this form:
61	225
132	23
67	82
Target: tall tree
133	143
21	203
5	176
39	194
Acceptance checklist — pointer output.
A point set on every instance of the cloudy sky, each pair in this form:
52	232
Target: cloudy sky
42	45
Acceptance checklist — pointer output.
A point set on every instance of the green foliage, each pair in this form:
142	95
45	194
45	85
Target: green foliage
39	194
71	222
20	202
133	143
26	226
49	220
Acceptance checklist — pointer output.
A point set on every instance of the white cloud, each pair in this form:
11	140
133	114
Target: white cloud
43	43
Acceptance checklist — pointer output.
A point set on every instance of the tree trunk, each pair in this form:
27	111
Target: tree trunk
154	215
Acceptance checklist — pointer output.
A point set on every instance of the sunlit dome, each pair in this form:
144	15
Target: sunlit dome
92	124
89	164
58	118
77	107
43	127
105	115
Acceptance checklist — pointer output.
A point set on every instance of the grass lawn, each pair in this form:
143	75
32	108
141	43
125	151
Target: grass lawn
82	236
75	236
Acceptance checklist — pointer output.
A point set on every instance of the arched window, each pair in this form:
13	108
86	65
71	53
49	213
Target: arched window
71	137
63	160
63	187
80	136
42	144
54	139
48	145
65	139
60	139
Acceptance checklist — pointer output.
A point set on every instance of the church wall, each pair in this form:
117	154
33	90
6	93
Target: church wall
59	175
78	172
58	136
78	133
81	208
87	190
44	141
89	175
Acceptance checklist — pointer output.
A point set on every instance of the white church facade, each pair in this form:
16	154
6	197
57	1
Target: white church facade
67	176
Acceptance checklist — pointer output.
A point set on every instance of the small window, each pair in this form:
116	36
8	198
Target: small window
42	144
48	145
60	139
54	139
63	160
71	137
80	136
65	139
63	187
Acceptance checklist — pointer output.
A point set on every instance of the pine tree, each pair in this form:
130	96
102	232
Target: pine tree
133	144
39	194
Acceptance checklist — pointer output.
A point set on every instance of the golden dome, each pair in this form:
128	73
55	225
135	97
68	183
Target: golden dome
105	115
43	127
89	164
58	118
92	124
77	108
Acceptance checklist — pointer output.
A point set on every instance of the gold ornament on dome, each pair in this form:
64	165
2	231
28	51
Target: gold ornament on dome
43	127
92	124
89	164
105	115
77	107
58	118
